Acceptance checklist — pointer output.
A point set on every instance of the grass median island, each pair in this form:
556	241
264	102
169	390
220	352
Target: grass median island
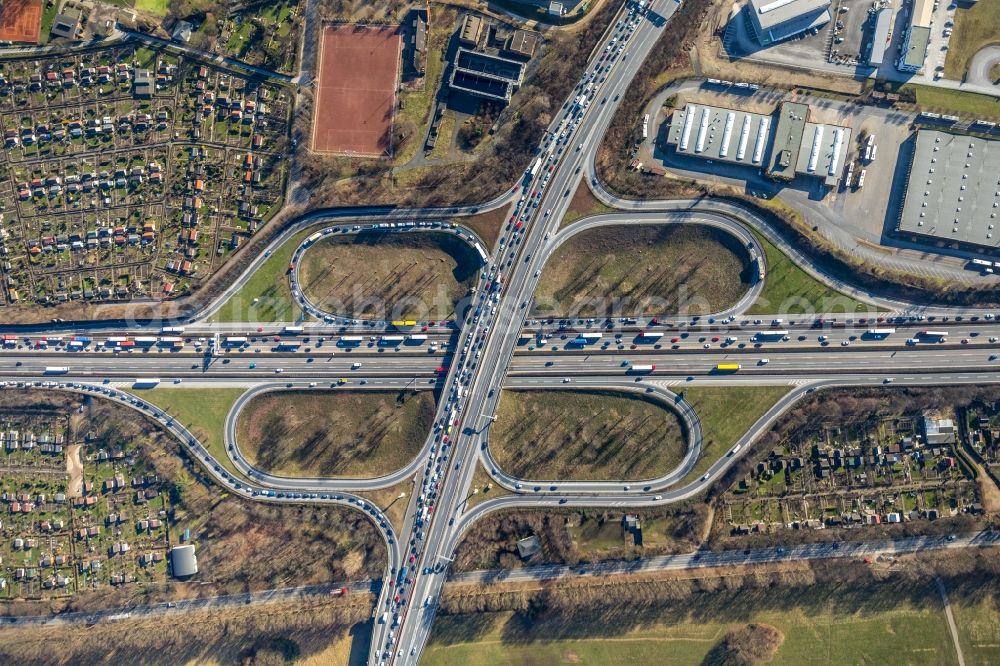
334	433
203	411
726	413
587	435
268	286
391	276
583	204
790	290
483	488
642	269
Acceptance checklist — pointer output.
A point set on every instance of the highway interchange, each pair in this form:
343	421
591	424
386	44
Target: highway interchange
497	345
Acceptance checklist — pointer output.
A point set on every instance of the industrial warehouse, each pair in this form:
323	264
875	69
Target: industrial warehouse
785	144
776	20
952	192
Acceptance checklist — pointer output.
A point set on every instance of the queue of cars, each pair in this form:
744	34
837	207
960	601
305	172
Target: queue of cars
480	317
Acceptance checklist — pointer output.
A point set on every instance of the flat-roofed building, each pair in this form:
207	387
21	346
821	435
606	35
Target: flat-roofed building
472	28
523	44
785	144
787	140
715	133
485	75
880	37
776	20
953	192
913	52
823	152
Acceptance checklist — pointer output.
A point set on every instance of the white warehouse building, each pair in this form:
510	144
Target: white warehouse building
784	144
776	20
715	133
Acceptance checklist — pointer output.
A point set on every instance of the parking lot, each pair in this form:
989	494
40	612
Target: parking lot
849	34
843	45
811	49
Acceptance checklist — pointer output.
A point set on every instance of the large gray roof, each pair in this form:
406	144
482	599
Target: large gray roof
880	40
771	13
953	189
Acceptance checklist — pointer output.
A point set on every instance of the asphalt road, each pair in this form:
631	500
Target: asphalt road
727	558
685	561
484	352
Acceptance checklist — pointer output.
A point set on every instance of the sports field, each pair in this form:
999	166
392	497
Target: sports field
356	96
20	20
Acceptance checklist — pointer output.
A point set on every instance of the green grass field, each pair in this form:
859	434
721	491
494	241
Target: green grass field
831	626
726	413
642	269
943	100
585	435
154	7
202	411
334	432
790	290
389	276
269	287
977	616
976	26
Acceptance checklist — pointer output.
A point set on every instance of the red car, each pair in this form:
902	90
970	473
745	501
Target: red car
675	339
715	338
441	369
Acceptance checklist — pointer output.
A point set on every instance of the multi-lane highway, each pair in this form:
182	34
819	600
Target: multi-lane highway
494	344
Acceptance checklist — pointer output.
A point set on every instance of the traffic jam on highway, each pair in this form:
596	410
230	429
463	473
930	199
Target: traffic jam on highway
474	336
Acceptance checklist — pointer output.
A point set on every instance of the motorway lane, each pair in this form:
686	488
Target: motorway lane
498	343
689	350
319	483
359	215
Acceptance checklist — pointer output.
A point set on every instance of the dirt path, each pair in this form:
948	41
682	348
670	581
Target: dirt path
74	467
951	620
